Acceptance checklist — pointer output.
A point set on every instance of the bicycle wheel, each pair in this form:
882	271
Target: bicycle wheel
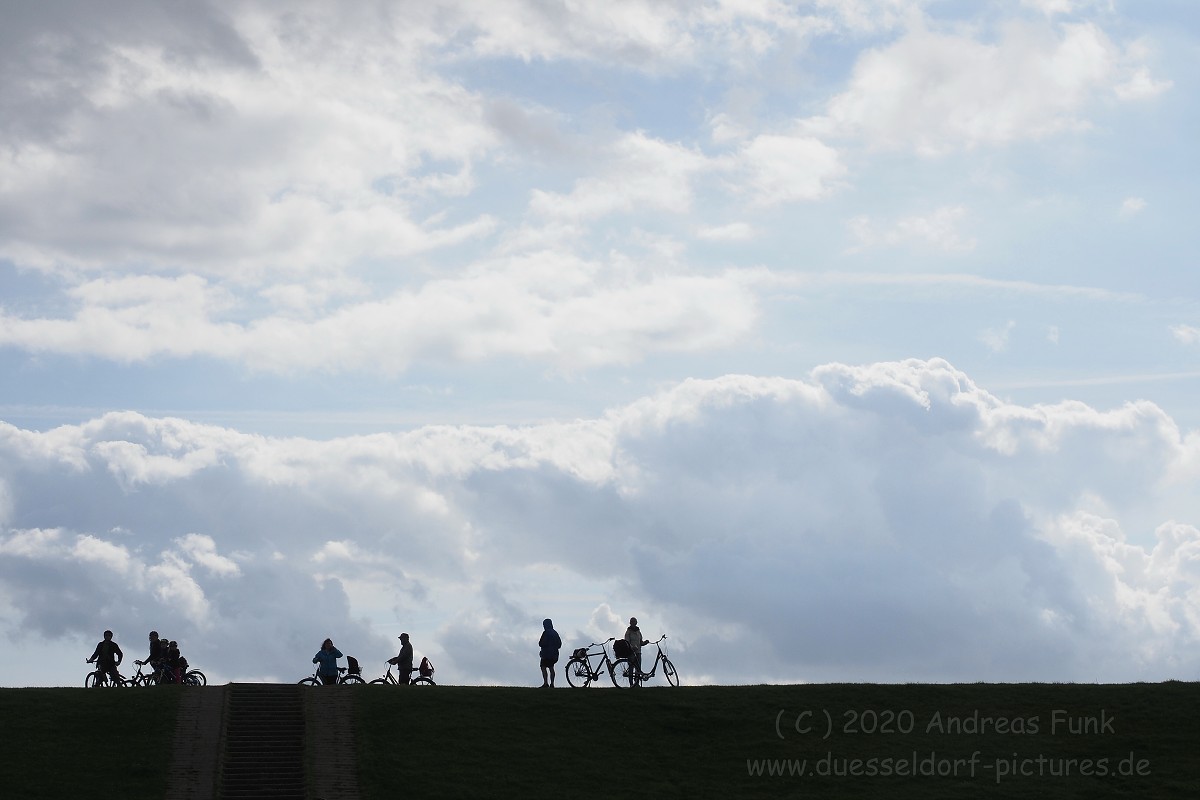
622	673
669	672
310	682
91	679
195	677
578	673
422	681
352	680
380	681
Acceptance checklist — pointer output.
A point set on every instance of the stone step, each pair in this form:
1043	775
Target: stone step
264	743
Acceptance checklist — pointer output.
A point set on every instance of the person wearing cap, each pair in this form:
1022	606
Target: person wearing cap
403	660
633	635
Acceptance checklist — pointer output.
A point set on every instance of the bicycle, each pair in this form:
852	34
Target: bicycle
579	670
344	678
161	675
100	678
420	680
625	673
142	678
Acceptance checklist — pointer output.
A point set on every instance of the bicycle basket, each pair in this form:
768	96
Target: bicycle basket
352	667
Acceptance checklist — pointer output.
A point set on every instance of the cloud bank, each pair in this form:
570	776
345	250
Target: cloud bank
891	521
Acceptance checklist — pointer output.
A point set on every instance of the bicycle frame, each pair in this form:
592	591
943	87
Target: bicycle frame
669	671
394	680
606	663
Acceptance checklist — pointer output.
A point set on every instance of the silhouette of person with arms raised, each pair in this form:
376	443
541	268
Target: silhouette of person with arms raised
403	660
550	643
107	657
326	661
633	636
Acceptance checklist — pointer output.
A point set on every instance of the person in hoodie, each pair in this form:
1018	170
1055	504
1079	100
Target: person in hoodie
326	659
550	644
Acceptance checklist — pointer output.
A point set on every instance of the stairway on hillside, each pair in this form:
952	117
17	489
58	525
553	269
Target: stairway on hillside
264	743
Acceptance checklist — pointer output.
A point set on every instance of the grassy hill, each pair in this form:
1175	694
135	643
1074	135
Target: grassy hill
828	740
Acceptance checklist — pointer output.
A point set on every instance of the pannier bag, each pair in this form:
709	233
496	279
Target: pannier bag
580	652
352	667
622	649
426	668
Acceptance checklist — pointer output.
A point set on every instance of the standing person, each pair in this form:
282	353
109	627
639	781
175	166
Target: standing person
326	659
107	657
173	661
633	636
550	643
157	652
403	660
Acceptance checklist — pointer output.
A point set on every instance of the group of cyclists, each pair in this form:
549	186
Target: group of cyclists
165	661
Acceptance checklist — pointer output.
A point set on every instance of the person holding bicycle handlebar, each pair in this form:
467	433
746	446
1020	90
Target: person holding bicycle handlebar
403	660
633	636
107	657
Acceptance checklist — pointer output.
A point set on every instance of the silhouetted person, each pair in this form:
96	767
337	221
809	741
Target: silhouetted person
633	636
403	660
158	649
550	643
107	657
326	661
173	662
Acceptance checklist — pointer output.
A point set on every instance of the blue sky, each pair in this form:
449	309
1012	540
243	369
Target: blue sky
826	336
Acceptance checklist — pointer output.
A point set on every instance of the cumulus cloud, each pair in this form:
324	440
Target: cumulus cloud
889	521
937	92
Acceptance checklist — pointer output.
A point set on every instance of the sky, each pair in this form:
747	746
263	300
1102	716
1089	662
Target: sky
837	340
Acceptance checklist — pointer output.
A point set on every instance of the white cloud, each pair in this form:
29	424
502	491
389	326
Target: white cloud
951	535
1141	86
642	173
1132	206
938	230
549	306
937	92
1050	7
1187	334
732	232
779	169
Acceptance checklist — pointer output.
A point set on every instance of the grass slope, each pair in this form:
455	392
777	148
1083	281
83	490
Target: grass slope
1077	740
73	743
827	740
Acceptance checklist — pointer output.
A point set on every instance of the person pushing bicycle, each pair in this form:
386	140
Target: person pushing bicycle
633	636
403	660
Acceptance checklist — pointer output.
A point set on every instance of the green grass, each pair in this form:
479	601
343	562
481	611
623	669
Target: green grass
702	741
454	742
72	743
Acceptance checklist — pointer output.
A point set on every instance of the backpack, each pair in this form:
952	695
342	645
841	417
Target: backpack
352	667
621	649
426	669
